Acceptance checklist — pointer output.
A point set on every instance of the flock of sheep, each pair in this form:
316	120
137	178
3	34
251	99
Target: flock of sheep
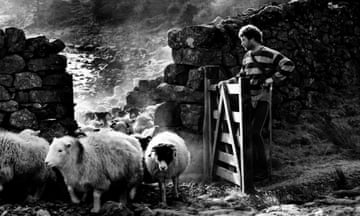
96	162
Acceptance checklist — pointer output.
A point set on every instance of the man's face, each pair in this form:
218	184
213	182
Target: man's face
246	43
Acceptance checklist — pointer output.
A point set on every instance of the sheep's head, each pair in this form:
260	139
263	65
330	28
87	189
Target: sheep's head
163	154
62	150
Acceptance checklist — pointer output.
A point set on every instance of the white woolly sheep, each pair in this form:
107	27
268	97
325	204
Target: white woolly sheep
95	162
142	122
22	161
166	157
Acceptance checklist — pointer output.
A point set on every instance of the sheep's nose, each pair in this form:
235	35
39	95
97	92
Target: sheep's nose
162	166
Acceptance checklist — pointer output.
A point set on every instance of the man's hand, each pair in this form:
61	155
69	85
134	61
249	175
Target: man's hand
268	82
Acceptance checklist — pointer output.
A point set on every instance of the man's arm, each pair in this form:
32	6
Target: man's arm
284	68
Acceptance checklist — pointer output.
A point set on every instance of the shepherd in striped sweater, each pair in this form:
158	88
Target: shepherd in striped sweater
263	66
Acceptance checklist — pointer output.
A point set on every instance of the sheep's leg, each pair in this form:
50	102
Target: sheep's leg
97	201
74	198
162	187
123	196
176	186
132	193
39	190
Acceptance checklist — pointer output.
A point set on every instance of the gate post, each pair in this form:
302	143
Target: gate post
245	109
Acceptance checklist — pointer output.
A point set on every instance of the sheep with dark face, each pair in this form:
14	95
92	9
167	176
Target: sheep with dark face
167	157
21	163
96	161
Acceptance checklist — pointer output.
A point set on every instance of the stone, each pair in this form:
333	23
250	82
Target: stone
11	64
146	85
6	80
177	74
52	63
22	97
27	80
2	117
42	212
9	106
214	72
51	128
23	119
4	94
192	116
111	208
199	36
51	96
197	57
15	40
63	79
229	60
196	80
139	98
167	92
168	212
2	44
167	115
37	47
57	46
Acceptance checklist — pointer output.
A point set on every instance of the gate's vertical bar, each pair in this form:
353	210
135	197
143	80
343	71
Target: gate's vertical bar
247	139
271	132
241	141
207	129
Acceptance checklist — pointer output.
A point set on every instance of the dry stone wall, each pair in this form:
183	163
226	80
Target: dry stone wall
322	37
35	89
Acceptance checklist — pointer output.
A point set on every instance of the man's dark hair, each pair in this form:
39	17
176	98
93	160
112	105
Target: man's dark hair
251	31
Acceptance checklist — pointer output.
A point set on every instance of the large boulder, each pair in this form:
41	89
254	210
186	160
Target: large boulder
15	40
11	64
200	36
9	106
167	115
197	57
6	80
177	74
178	93
192	116
52	63
4	94
23	119
27	80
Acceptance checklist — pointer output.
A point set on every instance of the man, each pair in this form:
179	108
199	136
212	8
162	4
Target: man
262	66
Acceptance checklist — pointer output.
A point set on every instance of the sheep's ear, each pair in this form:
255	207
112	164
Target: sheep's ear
80	153
152	154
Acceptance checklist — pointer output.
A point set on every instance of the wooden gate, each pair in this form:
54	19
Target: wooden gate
227	152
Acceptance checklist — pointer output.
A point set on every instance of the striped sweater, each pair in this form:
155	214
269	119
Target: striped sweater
274	64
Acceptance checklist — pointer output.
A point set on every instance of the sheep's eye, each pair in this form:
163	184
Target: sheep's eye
60	150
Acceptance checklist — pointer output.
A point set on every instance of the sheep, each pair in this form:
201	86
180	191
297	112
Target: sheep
142	122
166	157
21	163
30	132
96	161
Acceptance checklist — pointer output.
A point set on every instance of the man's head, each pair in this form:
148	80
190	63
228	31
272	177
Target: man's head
250	35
